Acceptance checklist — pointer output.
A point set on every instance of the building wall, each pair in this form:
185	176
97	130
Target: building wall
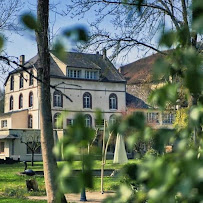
17	91
156	118
74	89
19	119
6	149
8	119
100	92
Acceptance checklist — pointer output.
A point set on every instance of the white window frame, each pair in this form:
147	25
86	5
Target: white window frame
88	121
167	118
153	117
4	124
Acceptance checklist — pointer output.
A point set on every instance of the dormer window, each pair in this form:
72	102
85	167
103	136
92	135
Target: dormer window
74	73
90	74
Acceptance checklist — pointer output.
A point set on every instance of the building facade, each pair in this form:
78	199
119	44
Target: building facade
83	83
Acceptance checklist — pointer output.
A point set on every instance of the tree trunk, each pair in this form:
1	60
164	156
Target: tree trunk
32	158
47	139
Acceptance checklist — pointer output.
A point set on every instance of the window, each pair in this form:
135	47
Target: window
167	118
58	124
21	80
31	99
1	147
74	73
113	104
58	99
11	103
87	100
112	119
88	120
20	101
30	121
69	122
4	123
90	74
32	145
12	83
31	78
99	122
152	117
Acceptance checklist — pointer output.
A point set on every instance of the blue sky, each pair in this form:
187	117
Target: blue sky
24	43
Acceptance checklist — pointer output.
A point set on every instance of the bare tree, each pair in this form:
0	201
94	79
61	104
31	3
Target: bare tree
132	27
9	12
47	139
32	141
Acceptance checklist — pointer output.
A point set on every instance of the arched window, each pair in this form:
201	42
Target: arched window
57	123
20	101
21	81
12	83
11	103
30	121
112	119
88	120
31	78
31	99
57	99
87	100
113	102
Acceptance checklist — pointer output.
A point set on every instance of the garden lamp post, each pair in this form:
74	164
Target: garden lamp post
83	193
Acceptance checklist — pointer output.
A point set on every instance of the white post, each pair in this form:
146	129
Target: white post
102	164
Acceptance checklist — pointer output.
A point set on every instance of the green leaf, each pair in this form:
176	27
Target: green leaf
59	50
29	21
168	39
164	95
77	33
161	69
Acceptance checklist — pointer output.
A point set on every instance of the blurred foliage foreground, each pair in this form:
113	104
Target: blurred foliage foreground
171	177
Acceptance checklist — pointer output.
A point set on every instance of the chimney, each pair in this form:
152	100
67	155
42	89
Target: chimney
104	53
22	60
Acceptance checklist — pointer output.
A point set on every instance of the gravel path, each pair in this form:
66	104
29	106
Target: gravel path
91	197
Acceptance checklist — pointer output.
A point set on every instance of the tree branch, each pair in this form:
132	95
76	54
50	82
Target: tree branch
8	61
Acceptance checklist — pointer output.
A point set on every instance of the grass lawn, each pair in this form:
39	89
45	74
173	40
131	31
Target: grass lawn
13	185
17	200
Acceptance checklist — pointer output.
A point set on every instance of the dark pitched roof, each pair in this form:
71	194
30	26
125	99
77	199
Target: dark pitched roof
80	60
135	102
93	61
140	71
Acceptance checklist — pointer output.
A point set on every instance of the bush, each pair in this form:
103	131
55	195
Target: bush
152	152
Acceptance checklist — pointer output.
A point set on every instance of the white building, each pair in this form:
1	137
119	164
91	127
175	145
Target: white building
89	80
